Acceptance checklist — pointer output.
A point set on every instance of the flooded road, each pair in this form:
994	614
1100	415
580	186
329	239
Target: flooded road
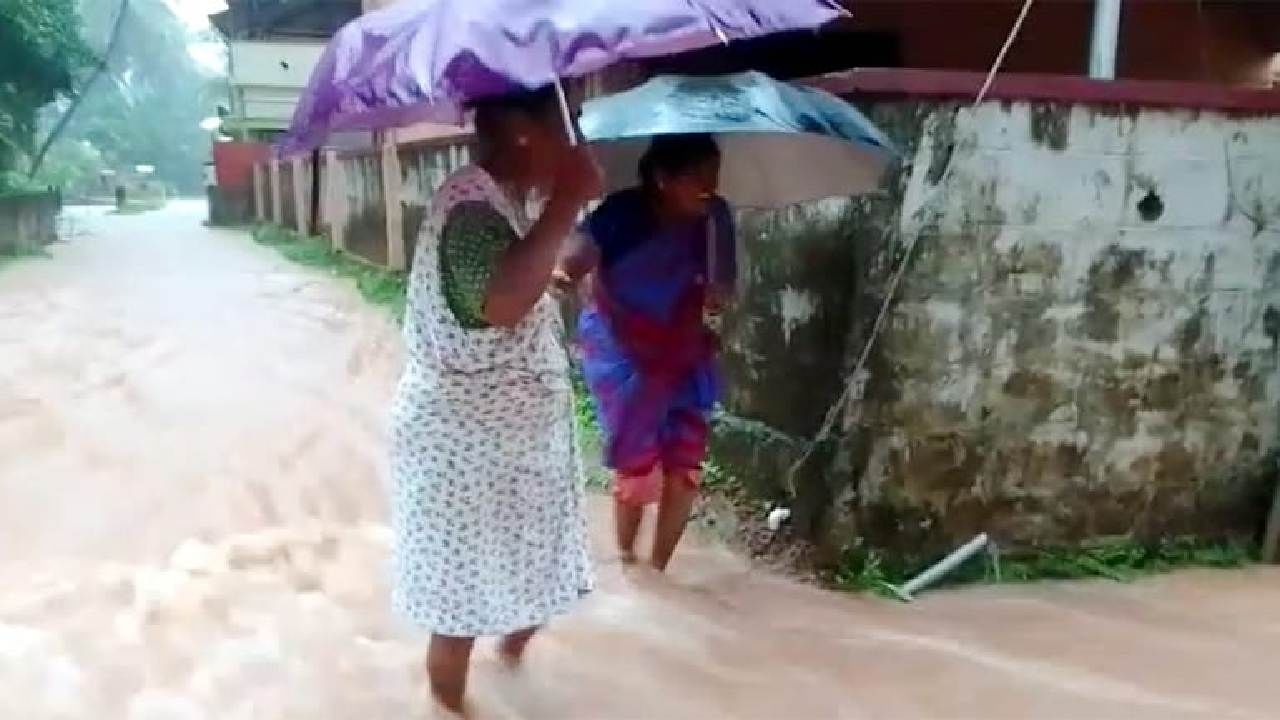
191	509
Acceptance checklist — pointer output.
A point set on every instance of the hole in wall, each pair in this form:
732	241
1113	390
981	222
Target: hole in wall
1150	207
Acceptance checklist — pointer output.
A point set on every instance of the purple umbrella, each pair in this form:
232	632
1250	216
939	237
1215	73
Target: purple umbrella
427	60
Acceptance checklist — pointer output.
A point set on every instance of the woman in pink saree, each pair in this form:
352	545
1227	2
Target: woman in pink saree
663	256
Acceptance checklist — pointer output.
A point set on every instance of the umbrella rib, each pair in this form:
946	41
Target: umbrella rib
711	21
835	5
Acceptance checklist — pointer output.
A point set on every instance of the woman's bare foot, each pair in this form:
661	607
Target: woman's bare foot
512	648
627	557
442	712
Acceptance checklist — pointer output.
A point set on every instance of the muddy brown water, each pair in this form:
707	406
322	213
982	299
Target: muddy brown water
191	507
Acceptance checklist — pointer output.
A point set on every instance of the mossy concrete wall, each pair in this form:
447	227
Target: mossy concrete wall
28	221
365	225
1085	343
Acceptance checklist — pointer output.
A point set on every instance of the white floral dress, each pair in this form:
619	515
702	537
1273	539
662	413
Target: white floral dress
488	510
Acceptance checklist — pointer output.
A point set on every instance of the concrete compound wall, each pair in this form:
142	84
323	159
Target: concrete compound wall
28	222
424	168
371	201
1085	343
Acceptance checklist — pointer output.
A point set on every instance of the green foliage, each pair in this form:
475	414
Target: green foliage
590	437
146	109
379	286
9	255
1125	560
76	168
1119	559
16	183
864	571
41	53
717	478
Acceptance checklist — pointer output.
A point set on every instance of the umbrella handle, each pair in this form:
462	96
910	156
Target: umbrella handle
565	114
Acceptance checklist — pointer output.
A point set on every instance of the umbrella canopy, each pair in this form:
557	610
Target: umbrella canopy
426	60
782	144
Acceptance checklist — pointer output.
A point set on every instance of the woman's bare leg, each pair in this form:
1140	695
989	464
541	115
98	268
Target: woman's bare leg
679	490
512	647
626	522
448	659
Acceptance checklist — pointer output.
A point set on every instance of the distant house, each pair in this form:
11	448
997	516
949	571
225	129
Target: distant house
274	45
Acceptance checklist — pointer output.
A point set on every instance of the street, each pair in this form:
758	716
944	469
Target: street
191	507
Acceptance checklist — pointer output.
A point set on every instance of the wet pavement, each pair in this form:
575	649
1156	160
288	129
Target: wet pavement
191	499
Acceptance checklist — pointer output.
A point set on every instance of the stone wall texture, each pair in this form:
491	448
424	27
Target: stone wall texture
1085	343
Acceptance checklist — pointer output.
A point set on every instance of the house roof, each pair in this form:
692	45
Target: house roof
256	19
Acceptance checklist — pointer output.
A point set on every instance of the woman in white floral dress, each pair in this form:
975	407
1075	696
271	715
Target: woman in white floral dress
488	509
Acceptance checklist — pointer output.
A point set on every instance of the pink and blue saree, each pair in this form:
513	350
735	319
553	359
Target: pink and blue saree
648	357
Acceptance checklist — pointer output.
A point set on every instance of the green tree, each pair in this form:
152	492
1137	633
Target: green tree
41	54
147	108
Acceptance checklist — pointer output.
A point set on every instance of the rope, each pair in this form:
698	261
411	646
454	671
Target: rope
1008	43
855	382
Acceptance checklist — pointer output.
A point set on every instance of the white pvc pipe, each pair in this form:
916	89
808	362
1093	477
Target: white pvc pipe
1105	44
942	567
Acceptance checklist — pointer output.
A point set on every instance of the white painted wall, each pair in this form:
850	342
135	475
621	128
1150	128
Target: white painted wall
1061	362
267	78
274	64
1044	311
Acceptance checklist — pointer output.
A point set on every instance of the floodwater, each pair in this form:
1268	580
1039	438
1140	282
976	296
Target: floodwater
191	508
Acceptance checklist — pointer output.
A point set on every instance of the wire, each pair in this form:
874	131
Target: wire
855	382
1004	51
78	98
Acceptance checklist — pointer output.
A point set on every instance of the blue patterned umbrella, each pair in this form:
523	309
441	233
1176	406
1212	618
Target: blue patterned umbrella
782	144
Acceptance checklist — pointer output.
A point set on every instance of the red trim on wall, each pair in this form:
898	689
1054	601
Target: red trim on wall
952	85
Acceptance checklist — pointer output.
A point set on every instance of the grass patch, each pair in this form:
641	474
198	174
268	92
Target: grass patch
590	437
10	255
1119	559
380	286
718	479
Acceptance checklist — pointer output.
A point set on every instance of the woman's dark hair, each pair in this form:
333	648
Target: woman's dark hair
676	155
491	113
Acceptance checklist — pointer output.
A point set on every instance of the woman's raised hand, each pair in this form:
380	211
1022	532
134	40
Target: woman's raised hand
579	179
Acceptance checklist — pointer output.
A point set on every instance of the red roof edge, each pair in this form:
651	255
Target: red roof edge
902	83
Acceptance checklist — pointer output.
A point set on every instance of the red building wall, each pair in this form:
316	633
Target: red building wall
233	162
1229	41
